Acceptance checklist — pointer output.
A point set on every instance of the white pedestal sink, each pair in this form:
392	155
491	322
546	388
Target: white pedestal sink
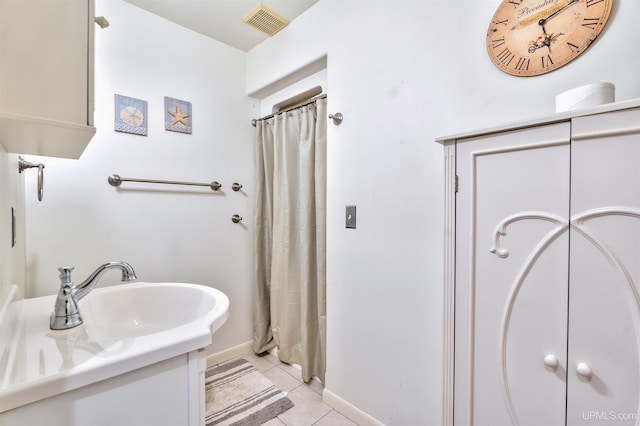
137	359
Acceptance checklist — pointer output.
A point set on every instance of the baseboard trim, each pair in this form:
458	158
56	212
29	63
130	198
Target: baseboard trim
331	399
348	410
227	354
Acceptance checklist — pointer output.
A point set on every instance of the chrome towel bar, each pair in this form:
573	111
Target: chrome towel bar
115	180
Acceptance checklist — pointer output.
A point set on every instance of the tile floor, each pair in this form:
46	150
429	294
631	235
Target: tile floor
308	407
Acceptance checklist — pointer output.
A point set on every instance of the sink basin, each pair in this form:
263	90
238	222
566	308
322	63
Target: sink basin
135	310
126	327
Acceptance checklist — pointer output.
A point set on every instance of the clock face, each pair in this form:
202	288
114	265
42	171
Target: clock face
533	37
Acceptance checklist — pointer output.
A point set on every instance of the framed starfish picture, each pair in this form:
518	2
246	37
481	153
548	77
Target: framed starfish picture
177	115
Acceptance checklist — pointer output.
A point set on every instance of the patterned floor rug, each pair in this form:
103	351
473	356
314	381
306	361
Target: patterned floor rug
238	394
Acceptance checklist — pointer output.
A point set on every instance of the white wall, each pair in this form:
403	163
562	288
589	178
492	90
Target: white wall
404	72
317	79
167	233
12	248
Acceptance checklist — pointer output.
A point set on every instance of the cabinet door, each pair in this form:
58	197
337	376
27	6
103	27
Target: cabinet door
512	214
46	76
44	53
604	308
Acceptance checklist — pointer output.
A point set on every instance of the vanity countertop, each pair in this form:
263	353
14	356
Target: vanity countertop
36	362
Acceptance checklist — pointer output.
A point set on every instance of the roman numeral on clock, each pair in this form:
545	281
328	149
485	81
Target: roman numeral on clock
593	2
505	56
573	47
546	61
590	23
497	42
523	64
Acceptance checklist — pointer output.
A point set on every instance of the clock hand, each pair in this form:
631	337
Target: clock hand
543	21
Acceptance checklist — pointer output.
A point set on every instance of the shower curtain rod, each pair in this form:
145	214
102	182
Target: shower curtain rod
305	103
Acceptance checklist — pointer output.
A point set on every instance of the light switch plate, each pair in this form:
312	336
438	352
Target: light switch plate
350	217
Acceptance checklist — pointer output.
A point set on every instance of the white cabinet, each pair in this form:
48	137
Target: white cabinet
46	76
166	393
604	309
543	272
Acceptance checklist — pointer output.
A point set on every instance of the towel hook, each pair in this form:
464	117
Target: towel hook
23	165
337	118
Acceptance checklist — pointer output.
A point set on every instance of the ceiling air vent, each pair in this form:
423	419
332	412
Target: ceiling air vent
265	20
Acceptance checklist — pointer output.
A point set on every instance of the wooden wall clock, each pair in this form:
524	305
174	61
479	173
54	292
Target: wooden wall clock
533	37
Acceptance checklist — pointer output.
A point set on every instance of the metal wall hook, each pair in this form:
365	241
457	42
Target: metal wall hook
236	218
337	118
23	165
236	186
102	22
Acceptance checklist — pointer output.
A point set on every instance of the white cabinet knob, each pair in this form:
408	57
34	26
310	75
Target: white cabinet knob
551	361
584	370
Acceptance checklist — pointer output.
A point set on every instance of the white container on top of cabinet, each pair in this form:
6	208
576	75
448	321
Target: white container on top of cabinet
46	76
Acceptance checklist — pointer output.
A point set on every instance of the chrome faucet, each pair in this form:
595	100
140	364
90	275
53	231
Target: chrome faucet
65	313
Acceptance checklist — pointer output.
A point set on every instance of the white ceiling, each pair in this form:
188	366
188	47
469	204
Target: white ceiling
222	19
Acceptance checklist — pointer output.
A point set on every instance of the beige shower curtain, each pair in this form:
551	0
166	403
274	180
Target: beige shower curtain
290	237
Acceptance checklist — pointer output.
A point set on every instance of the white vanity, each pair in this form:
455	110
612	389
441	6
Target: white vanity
137	359
542	283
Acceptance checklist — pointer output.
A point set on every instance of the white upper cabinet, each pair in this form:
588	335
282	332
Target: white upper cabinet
46	76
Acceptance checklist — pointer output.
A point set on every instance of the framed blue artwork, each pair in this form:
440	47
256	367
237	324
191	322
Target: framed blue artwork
177	115
130	115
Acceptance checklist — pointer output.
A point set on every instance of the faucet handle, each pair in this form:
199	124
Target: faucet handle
65	311
65	274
